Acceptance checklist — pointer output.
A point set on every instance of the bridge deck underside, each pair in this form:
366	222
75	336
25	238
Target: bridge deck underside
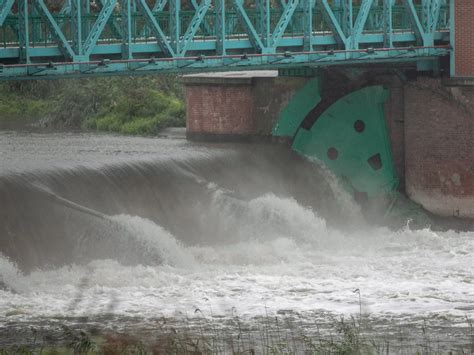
134	36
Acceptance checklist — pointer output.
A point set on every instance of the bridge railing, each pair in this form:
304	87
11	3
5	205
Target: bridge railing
31	34
40	36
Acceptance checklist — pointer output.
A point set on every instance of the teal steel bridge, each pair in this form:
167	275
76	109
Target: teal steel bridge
46	39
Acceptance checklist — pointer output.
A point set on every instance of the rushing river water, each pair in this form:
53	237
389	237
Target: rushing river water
120	232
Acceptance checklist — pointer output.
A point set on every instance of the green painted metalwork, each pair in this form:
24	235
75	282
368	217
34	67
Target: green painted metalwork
351	139
333	23
388	23
205	23
99	26
221	27
263	21
359	25
302	102
23	35
194	26
5	8
155	27
175	24
347	17
126	29
283	22
75	7
308	24
159	5
54	29
248	26
425	14
434	15
415	20
130	36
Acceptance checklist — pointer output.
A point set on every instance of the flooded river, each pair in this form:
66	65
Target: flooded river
125	234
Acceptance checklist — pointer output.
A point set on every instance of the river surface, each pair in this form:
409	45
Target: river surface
125	234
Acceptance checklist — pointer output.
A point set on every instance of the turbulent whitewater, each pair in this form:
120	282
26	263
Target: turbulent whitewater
95	226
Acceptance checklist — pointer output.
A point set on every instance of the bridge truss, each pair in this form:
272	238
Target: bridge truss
44	39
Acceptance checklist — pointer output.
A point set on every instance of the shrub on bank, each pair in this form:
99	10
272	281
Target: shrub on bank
128	105
142	112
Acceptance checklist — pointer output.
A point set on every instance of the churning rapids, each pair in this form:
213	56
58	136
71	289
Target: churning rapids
121	231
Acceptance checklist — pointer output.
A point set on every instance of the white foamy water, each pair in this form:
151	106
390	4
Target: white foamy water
284	257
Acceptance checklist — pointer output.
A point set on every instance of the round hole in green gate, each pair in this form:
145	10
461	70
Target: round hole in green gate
359	126
332	153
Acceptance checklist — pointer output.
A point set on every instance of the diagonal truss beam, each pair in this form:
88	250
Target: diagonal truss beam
205	23
159	5
331	20
347	20
434	14
115	25
66	8
99	26
284	21
5	8
155	27
360	22
248	26
193	26
54	29
415	21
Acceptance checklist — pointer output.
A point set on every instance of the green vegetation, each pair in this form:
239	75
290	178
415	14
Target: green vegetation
137	105
269	335
21	106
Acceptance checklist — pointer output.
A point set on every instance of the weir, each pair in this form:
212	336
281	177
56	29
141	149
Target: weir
248	228
306	41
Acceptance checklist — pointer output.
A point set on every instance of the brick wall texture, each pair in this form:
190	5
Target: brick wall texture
439	147
239	110
464	37
220	109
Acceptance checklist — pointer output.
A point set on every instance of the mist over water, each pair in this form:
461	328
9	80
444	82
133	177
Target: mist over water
226	229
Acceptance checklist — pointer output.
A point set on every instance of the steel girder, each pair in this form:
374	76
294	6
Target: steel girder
205	36
5	8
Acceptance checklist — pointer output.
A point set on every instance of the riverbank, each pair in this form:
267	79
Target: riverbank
201	333
126	105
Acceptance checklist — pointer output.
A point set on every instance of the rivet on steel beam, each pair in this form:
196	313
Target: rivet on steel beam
104	62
